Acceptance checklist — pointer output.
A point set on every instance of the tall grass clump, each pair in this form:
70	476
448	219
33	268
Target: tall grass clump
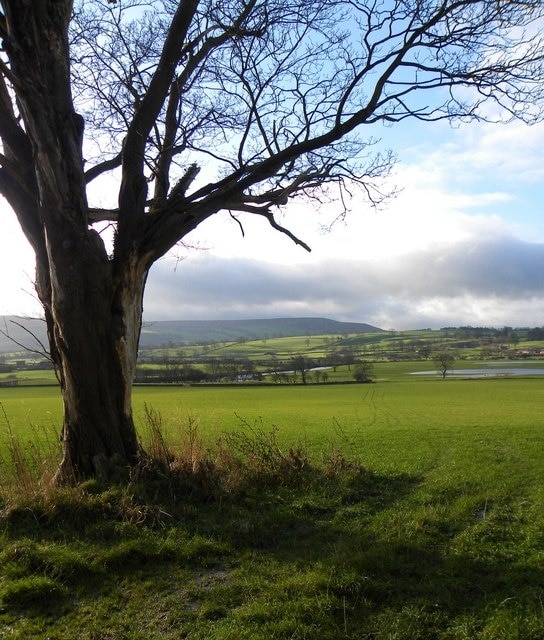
237	463
183	468
27	467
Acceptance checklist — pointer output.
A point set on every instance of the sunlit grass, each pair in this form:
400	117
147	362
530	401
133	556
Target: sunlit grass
440	537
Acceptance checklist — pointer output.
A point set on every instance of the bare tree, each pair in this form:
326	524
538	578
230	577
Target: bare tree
302	364
444	361
190	107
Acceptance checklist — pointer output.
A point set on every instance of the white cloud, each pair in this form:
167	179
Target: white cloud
461	244
474	281
17	295
511	152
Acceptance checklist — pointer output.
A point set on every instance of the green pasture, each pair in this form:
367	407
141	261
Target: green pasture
401	421
440	536
283	348
31	377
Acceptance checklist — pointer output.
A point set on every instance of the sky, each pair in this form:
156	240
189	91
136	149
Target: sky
462	243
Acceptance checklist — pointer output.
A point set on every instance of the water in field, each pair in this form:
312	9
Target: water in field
487	372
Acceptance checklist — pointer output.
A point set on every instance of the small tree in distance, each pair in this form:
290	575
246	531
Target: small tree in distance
185	108
363	371
444	361
302	364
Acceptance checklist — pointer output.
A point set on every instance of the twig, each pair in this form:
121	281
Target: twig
44	352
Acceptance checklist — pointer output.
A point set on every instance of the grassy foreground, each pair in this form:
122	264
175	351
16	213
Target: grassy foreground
434	530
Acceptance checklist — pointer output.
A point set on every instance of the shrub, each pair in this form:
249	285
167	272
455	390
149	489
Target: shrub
363	372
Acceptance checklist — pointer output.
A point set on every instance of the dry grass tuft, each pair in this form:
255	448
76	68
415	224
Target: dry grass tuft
27	468
238	464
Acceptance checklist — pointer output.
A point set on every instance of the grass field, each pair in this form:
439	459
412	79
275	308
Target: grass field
440	537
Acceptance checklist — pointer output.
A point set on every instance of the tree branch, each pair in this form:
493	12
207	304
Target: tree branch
270	217
43	351
103	167
103	215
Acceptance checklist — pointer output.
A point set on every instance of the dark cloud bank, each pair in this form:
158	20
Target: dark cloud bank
488	281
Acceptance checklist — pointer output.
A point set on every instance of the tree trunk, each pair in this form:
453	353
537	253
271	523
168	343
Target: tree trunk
92	303
94	322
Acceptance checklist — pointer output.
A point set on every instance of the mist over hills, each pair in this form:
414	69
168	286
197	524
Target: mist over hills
29	334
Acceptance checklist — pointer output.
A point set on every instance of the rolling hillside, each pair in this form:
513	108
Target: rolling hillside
195	331
19	334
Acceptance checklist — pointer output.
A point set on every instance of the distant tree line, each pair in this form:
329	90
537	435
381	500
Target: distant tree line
506	333
537	333
296	369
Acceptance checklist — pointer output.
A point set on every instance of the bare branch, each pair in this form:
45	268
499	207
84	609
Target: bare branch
239	224
103	167
270	217
103	215
271	98
43	351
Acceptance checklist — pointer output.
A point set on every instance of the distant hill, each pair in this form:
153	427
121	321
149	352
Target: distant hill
26	334
199	331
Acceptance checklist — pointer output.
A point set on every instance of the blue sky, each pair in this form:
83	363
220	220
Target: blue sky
461	244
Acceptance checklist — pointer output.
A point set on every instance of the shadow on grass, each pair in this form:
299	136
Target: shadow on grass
291	551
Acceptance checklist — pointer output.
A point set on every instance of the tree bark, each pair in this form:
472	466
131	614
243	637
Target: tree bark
92	304
94	327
